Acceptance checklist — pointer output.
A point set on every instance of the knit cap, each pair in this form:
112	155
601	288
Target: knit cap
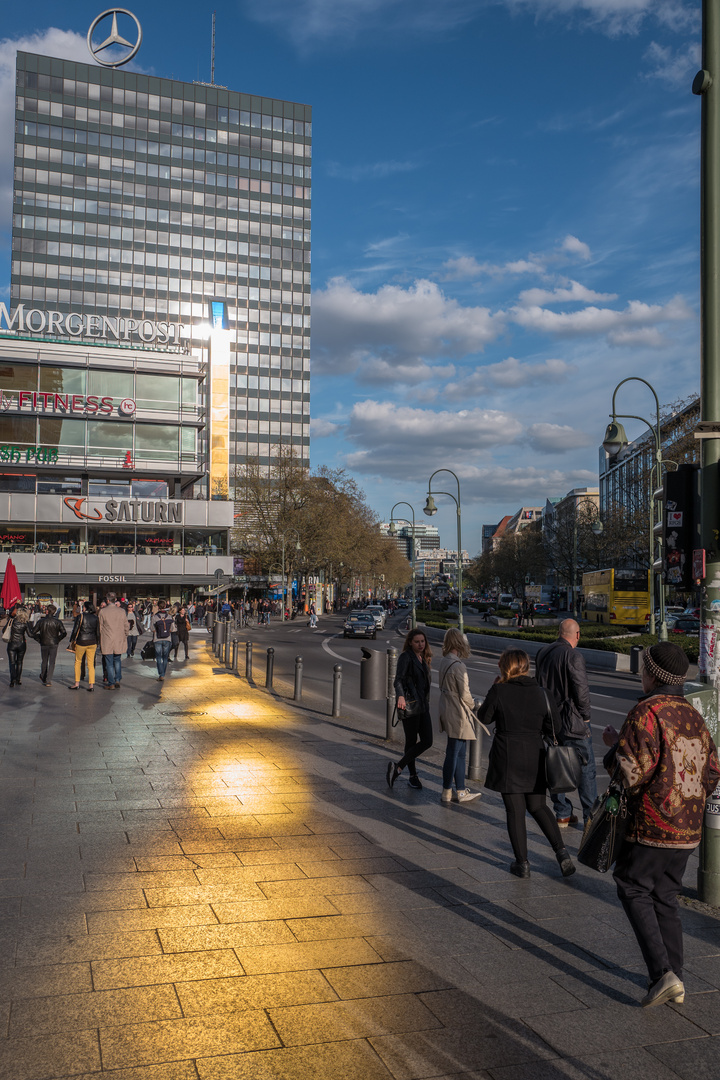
667	663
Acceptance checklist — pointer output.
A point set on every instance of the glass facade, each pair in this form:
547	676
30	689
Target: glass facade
142	197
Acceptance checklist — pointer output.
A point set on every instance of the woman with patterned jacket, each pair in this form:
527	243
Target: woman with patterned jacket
668	762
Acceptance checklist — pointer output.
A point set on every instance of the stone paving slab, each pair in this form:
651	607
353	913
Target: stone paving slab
202	883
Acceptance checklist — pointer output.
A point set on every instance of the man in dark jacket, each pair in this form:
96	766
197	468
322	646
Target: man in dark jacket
560	668
48	632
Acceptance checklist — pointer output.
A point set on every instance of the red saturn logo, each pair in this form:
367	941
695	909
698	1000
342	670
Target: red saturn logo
75	504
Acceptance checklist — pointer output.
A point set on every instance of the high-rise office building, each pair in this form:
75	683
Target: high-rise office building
146	199
157	335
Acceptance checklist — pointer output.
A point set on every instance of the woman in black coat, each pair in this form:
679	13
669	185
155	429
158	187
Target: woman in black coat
20	630
522	712
412	689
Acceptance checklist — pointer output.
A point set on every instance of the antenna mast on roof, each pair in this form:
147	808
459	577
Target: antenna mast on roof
212	53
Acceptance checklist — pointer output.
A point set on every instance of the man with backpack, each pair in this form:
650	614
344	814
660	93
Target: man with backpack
162	626
560	668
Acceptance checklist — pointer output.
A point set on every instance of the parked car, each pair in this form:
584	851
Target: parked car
685	625
360	624
694	612
402	603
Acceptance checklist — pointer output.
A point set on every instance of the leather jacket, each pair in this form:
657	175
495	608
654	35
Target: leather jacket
561	670
49	631
85	630
18	633
412	680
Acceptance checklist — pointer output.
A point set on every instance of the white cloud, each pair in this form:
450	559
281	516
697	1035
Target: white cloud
375	370
395	324
573	292
320	428
513	372
370	171
602	321
507	374
51	42
573	246
616	17
467	268
556	438
673	66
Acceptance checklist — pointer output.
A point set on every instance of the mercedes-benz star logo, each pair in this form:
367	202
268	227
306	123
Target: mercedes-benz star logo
114	38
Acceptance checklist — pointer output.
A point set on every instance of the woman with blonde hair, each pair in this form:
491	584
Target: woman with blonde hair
457	715
521	711
412	690
20	629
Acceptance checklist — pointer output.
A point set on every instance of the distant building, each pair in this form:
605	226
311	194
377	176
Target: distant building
488	531
523	517
500	531
427	537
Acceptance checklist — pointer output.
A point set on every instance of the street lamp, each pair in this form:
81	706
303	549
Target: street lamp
430	508
597	528
616	440
297	548
392	529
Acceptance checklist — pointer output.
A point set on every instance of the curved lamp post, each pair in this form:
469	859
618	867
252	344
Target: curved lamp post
430	508
616	440
392	529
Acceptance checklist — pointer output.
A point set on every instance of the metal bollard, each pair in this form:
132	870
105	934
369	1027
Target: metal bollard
235	651
337	689
226	657
248	660
297	695
475	755
390	700
269	666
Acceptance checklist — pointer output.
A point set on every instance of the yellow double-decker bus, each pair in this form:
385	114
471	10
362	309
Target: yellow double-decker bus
620	597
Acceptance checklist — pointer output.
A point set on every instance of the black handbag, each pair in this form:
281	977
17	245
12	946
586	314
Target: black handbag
606	828
148	651
563	765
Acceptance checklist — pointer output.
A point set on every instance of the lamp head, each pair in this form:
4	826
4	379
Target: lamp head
429	508
597	527
392	529
615	439
298	546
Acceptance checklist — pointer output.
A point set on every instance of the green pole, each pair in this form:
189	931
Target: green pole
707	86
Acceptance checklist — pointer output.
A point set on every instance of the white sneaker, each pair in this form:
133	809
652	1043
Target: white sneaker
446	794
467	795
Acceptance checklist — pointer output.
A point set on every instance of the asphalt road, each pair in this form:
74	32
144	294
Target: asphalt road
612	694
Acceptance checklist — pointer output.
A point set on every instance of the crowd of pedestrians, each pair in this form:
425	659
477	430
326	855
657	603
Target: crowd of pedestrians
663	755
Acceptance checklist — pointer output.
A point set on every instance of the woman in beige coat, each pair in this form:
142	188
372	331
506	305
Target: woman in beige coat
457	715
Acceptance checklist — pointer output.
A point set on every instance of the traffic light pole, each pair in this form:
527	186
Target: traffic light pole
707	86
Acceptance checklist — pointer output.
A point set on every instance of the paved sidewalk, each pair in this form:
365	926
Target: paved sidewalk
203	883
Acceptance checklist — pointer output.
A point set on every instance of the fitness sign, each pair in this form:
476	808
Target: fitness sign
49	403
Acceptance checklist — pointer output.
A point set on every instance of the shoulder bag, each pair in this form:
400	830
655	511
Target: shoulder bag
70	647
7	631
563	767
606	828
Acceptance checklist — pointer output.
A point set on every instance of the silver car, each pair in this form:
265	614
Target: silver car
378	614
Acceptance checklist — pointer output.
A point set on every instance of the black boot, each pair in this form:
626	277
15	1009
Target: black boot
567	866
520	869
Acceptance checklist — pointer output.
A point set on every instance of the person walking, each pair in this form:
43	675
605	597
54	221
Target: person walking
313	616
162	625
412	690
85	637
522	712
457	715
114	630
181	635
20	628
669	764
560	669
48	633
132	638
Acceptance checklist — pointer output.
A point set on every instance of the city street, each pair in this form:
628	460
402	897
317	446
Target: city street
204	881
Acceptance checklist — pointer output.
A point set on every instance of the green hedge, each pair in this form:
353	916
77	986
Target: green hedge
590	638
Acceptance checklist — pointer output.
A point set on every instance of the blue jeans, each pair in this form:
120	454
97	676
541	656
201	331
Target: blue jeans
454	764
162	652
113	667
587	788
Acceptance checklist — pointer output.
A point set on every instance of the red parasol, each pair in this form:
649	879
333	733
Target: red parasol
10	592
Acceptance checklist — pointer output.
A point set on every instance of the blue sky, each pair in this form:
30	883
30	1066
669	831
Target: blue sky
505	220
